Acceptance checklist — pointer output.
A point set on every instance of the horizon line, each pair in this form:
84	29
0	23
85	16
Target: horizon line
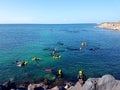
48	23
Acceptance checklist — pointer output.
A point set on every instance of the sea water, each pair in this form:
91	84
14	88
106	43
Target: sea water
22	42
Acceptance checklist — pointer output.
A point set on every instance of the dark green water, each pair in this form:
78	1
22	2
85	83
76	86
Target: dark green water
23	42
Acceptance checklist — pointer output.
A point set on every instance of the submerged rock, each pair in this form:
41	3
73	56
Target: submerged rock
77	86
60	43
50	76
72	48
48	70
94	48
47	48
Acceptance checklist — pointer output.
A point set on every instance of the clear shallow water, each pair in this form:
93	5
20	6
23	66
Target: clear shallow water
22	42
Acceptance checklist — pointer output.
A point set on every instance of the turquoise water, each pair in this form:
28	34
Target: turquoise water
23	42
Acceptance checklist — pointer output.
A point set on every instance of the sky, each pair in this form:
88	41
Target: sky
59	11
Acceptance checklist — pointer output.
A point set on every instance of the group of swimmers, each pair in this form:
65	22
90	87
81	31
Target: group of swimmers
24	63
81	76
53	54
60	75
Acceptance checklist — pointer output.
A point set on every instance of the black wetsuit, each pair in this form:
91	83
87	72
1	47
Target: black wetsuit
82	77
59	75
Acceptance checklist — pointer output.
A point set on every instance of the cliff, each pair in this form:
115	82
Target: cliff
110	25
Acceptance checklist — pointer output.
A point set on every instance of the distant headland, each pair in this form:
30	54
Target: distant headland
110	25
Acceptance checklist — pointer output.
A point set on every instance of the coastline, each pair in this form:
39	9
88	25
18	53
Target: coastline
110	25
106	82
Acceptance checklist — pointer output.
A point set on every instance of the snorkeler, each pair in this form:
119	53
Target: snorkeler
54	51
57	56
83	43
36	59
81	77
21	64
59	74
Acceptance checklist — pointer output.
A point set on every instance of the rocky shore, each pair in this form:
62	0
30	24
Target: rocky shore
110	25
106	82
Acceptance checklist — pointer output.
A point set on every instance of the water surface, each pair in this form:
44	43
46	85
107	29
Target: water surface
23	42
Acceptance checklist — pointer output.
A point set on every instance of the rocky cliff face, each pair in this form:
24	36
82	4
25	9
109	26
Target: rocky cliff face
107	82
110	25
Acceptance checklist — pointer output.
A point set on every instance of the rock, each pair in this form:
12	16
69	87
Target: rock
69	85
46	48
116	85
107	82
61	88
2	87
60	43
110	25
58	88
70	88
50	76
77	86
39	86
90	84
94	48
55	88
9	85
21	88
72	48
59	82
